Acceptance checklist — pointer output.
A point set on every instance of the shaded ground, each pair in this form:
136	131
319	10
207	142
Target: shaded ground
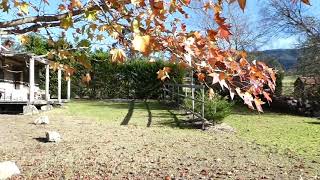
95	145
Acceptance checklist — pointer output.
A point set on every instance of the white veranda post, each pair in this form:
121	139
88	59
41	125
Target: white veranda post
31	80
69	88
47	82
59	85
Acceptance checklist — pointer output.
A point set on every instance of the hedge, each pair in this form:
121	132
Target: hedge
135	79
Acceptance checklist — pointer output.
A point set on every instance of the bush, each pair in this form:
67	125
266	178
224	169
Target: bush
215	110
279	76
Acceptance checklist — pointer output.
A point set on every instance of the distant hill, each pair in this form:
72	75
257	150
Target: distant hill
287	57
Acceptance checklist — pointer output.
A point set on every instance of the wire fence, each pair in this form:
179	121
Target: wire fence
177	93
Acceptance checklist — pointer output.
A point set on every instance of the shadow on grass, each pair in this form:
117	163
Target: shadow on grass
183	123
129	114
149	114
314	122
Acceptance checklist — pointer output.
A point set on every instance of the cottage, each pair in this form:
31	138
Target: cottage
19	79
307	87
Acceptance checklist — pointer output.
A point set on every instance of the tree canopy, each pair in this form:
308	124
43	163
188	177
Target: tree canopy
146	27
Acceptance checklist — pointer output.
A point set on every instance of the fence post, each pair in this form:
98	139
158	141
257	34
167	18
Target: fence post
192	94
202	108
172	92
178	96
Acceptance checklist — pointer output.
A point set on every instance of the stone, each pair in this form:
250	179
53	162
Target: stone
223	127
46	107
30	110
8	169
42	120
53	136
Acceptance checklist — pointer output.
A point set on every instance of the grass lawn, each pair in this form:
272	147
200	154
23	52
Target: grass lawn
154	144
279	132
285	133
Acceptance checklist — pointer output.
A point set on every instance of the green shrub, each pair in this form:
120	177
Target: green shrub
215	110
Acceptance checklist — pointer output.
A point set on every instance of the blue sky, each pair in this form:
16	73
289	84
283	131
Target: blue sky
252	11
285	42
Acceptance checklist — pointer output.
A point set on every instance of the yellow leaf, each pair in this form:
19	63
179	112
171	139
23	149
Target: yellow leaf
24	7
114	35
86	78
103	27
117	27
83	59
50	55
24	39
136	26
54	65
5	5
142	44
138	2
91	15
93	26
118	55
100	37
66	22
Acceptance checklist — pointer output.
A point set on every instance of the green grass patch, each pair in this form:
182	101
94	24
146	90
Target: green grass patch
286	133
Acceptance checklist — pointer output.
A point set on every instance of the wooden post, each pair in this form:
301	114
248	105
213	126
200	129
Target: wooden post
31	81
202	106
47	82
59	85
192	94
69	88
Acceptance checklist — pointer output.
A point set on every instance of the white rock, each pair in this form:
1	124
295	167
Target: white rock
53	136
223	127
46	107
8	169
42	120
30	110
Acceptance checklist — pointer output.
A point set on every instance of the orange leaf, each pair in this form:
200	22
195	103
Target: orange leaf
142	44
118	55
242	4
201	77
212	34
258	104
224	32
306	1
266	95
86	78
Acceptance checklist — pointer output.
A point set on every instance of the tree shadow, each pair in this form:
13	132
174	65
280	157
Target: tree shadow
185	123
149	114
314	122
41	139
129	114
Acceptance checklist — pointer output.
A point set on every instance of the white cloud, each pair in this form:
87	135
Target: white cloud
281	43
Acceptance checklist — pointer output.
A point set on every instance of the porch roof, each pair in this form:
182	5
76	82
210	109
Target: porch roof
22	57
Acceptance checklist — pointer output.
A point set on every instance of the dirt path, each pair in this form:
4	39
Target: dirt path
101	150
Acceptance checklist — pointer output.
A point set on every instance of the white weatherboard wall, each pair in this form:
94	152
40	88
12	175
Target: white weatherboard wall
11	92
